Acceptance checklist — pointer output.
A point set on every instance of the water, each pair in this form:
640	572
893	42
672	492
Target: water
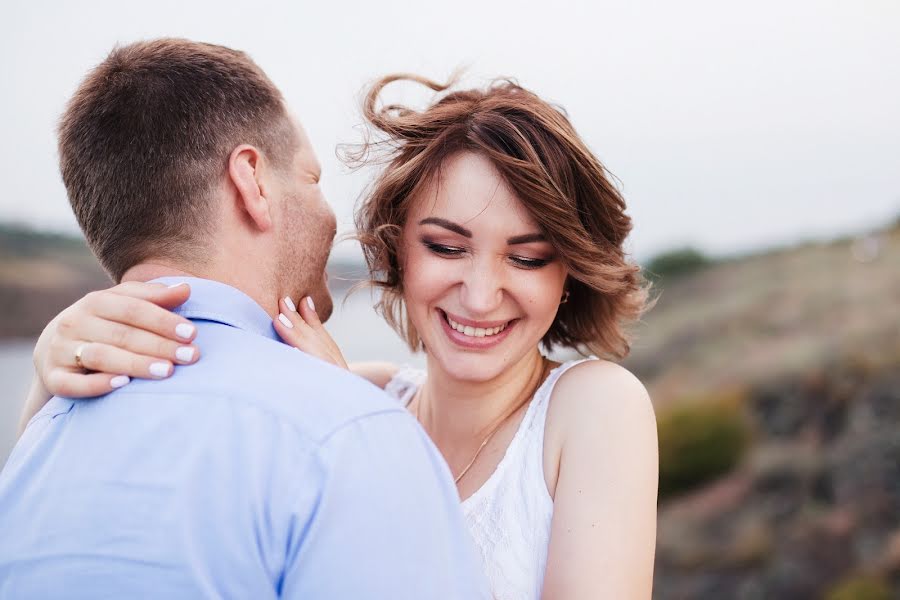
15	374
360	333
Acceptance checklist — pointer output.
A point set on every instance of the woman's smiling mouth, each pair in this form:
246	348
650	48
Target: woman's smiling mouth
475	334
470	331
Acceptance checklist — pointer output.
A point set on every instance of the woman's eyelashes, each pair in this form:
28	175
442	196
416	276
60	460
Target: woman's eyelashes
530	263
523	262
442	250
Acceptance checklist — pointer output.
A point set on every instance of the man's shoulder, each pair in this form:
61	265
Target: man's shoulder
266	375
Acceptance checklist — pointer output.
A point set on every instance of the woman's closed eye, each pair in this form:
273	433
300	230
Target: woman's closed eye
522	262
526	262
444	250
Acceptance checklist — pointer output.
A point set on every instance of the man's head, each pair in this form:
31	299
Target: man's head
183	153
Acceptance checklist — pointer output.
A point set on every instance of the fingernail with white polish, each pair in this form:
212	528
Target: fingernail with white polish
312	305
285	321
290	303
185	354
119	381
184	331
160	369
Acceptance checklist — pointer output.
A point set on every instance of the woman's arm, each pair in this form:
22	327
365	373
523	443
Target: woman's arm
129	331
35	400
603	534
123	332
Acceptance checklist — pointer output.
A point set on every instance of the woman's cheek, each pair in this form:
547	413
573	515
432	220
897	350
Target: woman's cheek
545	293
425	280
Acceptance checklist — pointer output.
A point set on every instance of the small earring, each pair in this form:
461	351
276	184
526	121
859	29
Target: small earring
565	297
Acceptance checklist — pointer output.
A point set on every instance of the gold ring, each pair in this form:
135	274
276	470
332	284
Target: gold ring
78	352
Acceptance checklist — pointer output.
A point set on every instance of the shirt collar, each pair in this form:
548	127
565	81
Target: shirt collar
216	301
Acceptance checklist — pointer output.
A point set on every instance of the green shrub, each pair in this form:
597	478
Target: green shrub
675	263
700	441
860	587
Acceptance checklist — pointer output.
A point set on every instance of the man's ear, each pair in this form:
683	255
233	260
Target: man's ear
246	168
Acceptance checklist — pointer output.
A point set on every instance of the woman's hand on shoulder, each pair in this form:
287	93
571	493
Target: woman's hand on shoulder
123	332
603	534
299	326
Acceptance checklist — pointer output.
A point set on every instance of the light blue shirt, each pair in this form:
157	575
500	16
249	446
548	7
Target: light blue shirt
260	472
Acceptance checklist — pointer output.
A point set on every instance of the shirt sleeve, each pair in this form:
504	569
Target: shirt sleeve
387	522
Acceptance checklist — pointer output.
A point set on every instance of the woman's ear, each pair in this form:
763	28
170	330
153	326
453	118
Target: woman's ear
245	168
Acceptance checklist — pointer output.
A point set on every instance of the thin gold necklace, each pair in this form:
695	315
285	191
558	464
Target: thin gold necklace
488	437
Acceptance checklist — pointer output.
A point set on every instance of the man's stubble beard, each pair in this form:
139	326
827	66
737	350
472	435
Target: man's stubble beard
303	254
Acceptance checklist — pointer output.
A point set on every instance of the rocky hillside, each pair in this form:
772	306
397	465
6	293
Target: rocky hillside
751	320
777	384
812	509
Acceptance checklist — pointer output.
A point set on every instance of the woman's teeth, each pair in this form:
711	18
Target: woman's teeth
476	331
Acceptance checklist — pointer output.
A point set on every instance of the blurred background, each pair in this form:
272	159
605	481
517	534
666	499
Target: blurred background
758	148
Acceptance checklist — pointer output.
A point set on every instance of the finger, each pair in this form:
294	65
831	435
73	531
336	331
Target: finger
306	321
110	359
289	317
139	313
291	328
138	341
307	310
158	293
307	332
304	341
84	385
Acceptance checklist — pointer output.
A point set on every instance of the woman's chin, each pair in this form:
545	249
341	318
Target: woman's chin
473	373
467	366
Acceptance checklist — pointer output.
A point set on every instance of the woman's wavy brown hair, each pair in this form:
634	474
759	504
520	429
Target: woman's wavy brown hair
557	178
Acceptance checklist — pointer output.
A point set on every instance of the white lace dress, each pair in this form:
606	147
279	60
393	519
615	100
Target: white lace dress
509	516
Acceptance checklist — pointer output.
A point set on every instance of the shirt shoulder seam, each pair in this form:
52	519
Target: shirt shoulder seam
398	410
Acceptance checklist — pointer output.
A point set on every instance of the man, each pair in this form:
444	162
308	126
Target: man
260	472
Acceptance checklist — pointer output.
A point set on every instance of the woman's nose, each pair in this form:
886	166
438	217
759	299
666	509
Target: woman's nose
482	289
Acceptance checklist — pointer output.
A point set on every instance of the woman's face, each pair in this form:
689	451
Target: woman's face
481	284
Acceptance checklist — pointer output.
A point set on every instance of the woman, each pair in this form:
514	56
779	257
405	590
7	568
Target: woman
492	231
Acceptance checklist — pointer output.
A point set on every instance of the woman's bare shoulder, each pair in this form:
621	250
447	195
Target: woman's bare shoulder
379	373
604	485
599	394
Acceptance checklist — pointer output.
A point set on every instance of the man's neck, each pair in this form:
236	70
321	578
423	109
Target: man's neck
149	271
152	270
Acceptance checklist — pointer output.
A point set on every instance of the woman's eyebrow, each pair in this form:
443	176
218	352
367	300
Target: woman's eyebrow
455	228
526	239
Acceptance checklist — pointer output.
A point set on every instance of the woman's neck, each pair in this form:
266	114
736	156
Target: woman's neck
457	413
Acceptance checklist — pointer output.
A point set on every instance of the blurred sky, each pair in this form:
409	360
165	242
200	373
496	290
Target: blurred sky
732	126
